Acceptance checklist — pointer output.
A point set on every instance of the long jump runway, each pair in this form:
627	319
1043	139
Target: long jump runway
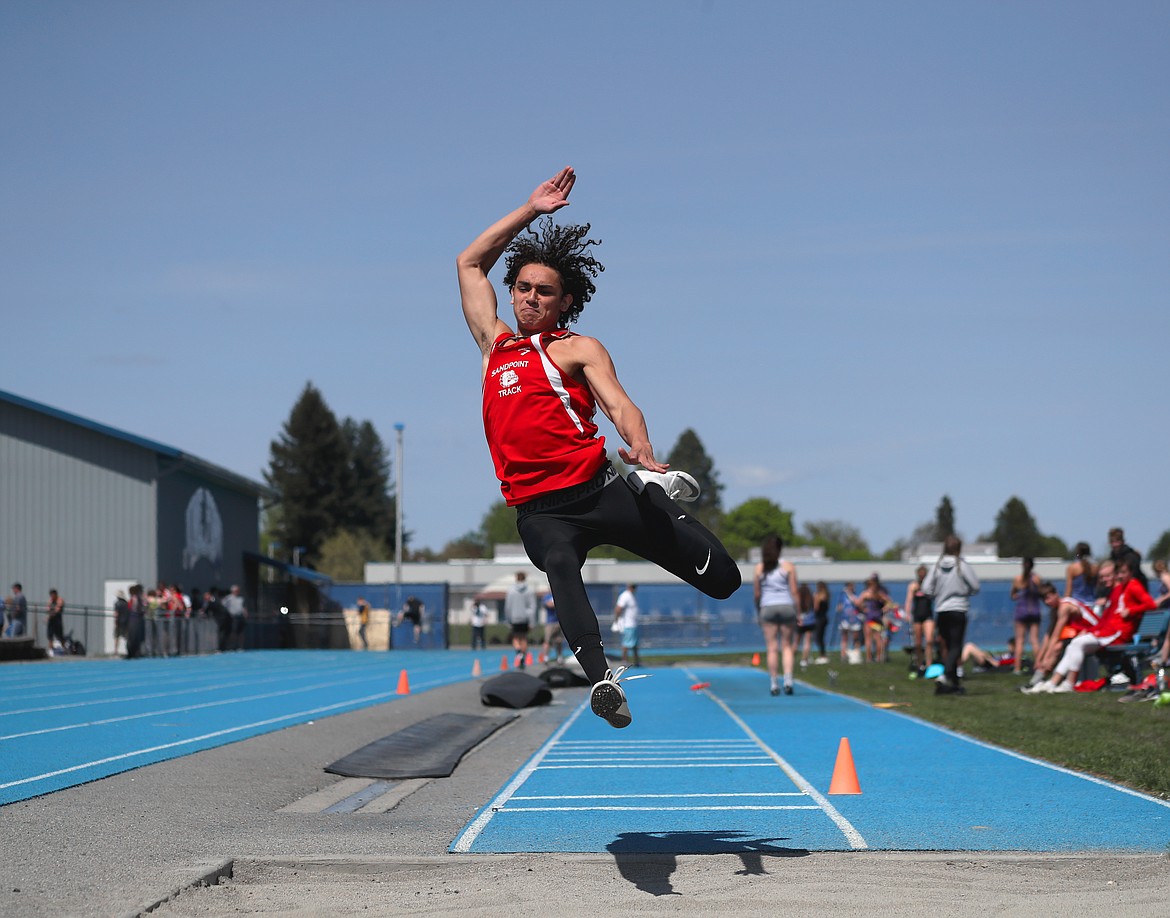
728	768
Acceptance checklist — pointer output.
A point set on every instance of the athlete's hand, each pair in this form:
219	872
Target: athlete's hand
643	456
553	194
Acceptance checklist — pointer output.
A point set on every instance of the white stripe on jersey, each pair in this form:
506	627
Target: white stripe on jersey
554	380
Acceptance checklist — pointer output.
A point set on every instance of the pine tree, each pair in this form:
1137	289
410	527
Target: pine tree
944	519
369	506
309	470
1017	535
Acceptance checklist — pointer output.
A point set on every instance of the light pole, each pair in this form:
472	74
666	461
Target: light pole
398	428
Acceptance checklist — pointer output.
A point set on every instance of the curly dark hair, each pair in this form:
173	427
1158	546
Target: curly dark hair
565	249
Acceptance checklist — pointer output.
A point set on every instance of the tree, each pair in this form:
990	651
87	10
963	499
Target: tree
688	455
944	520
840	540
344	554
748	524
498	527
1160	550
309	470
369	505
1017	535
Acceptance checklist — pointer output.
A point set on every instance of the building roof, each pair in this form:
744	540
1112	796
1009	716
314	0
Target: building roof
176	457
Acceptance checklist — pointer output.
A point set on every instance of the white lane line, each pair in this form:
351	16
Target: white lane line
464	842
851	834
716	795
768	763
648	809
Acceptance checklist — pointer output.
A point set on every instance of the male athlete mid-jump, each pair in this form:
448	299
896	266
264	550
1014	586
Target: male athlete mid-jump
541	387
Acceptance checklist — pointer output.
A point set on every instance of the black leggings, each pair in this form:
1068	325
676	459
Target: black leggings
649	524
952	630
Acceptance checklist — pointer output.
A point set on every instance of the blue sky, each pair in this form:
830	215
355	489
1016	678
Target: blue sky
872	253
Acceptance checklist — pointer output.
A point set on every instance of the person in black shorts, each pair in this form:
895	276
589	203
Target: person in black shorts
921	609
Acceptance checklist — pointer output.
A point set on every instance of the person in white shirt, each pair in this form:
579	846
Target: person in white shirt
626	613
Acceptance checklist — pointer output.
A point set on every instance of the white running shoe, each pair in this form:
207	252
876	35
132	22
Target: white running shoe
1063	689
608	700
1040	688
677	485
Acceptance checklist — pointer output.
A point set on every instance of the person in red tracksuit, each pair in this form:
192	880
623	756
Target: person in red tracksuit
541	386
1123	614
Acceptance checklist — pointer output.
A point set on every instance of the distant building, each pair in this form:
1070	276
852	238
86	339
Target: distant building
87	510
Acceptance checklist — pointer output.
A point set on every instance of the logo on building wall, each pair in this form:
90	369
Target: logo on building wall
204	530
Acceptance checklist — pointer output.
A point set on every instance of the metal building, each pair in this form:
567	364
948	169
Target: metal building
87	509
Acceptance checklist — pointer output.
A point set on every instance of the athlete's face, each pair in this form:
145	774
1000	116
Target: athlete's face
538	298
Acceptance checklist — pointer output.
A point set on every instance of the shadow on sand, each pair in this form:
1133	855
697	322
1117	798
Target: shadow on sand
647	859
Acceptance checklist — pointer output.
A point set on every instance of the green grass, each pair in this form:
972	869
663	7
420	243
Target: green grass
1092	733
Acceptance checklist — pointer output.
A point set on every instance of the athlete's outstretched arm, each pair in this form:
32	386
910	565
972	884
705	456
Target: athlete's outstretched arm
474	263
617	405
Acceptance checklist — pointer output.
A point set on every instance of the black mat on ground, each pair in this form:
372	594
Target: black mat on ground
429	749
515	690
563	677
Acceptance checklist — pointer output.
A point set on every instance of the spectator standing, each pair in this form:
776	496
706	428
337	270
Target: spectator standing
921	609
952	583
626	611
821	602
1025	593
135	622
806	623
479	618
552	631
363	614
520	610
121	621
872	601
413	611
1119	551
17	610
216	610
849	615
55	624
775	589
1080	580
234	603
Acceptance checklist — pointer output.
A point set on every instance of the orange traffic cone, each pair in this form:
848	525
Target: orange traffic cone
403	683
755	659
476	669
503	662
528	659
541	659
844	774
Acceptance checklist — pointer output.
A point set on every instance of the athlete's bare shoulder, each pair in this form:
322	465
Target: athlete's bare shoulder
574	352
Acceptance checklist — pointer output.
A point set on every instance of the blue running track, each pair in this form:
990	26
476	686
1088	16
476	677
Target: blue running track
730	768
68	722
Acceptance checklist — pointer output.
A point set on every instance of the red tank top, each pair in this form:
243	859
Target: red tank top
538	420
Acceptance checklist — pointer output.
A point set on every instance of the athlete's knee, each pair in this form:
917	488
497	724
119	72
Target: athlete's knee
561	563
725	578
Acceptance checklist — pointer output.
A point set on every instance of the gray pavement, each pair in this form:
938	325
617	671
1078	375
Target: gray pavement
240	830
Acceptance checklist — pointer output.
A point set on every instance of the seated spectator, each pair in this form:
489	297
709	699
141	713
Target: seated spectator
1128	601
1070	616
